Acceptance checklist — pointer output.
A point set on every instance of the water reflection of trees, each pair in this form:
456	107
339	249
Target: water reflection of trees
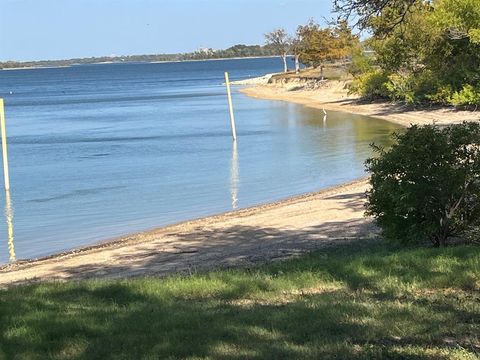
342	134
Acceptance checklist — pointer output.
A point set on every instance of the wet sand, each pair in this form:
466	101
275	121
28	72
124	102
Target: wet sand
245	237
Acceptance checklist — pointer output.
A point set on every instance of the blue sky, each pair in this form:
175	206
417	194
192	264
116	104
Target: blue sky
58	29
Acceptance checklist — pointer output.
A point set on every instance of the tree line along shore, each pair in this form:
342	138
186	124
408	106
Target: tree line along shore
236	51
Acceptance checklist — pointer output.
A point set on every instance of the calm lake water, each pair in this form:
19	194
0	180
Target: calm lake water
104	150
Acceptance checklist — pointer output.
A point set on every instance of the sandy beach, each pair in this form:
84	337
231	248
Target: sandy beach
255	235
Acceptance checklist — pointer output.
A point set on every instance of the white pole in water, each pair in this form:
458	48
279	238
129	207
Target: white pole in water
9	218
230	105
4	146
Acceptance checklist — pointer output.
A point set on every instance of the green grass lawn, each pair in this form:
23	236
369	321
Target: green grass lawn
367	300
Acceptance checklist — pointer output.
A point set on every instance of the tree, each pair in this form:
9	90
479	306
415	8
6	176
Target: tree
391	12
278	39
427	185
296	46
325	44
317	44
345	42
433	55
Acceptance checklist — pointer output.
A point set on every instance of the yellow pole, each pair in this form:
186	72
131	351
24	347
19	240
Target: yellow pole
230	105
4	146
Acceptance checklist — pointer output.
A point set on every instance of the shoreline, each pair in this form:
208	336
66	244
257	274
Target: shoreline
133	62
335	97
133	237
187	246
266	232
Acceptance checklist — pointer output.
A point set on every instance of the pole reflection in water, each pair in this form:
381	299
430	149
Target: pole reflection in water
9	219
234	176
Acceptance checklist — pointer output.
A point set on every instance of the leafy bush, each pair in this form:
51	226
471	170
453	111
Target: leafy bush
371	85
360	63
419	87
442	95
410	88
401	88
413	88
468	96
427	185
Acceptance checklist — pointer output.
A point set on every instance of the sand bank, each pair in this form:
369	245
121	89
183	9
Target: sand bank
255	235
334	97
261	80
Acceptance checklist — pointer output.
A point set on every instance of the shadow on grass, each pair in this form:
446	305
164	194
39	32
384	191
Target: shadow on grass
360	300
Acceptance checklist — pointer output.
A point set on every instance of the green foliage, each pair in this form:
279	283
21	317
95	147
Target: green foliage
238	50
380	16
361	300
474	35
427	185
462	16
433	55
401	88
361	63
414	88
371	85
278	40
468	96
441	95
325	44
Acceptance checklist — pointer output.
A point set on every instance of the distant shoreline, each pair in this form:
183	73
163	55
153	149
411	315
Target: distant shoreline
219	59
134	62
34	67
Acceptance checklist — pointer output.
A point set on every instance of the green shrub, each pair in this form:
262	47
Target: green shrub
360	64
410	88
419	87
427	185
442	95
469	96
371	85
401	88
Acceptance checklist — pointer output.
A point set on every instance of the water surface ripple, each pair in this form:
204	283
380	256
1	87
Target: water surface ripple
99	151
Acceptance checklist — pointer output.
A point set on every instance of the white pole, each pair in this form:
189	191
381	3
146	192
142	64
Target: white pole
4	146
234	176
9	218
230	105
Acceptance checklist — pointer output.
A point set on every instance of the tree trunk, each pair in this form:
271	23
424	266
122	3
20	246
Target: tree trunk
285	66
321	72
441	241
297	63
444	231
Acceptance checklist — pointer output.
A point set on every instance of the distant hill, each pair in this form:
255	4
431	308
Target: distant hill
201	54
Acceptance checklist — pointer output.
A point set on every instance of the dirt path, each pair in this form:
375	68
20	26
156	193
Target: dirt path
259	234
335	97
